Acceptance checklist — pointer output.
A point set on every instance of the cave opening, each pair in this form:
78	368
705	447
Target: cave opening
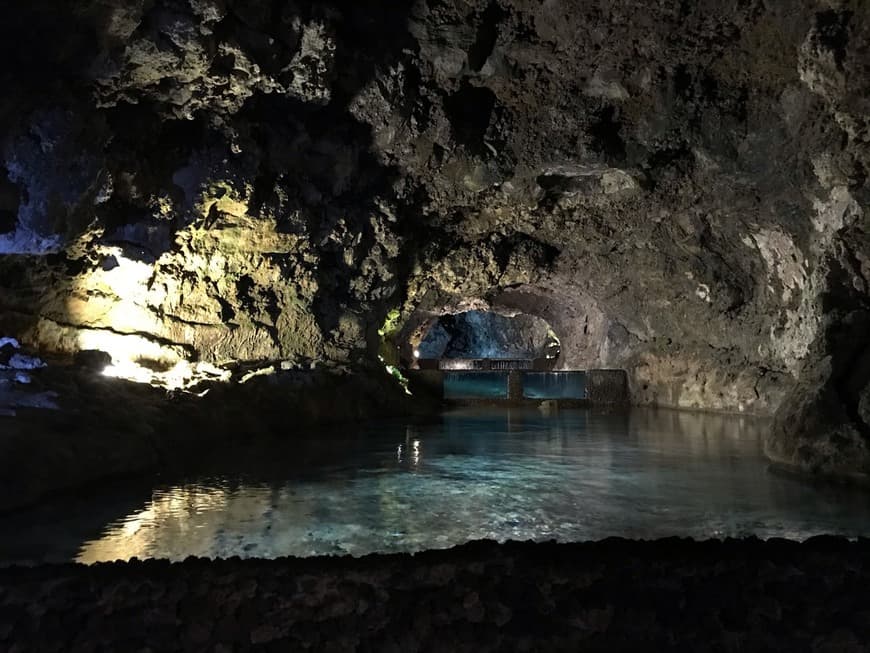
470	111
479	339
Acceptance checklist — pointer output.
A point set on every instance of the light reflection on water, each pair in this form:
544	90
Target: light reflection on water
483	473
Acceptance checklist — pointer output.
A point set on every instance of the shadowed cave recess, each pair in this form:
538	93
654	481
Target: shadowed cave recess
206	203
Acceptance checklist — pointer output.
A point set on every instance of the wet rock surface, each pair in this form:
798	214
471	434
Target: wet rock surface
679	190
614	595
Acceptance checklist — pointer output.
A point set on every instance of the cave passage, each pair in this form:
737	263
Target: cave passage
488	340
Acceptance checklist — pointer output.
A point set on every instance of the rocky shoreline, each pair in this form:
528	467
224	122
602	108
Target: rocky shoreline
613	595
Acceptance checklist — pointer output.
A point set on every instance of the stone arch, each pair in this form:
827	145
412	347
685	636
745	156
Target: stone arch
585	335
488	334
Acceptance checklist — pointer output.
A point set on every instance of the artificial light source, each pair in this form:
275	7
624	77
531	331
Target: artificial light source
114	302
456	364
416	353
180	376
416	452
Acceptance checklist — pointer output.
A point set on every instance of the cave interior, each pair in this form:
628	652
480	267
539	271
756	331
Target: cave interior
218	213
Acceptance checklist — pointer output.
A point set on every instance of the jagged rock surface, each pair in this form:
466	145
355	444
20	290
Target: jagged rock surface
613	595
679	189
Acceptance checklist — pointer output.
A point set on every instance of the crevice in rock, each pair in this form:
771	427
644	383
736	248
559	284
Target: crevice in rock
192	323
487	36
71	266
228	314
606	134
683	82
851	368
686	7
223	65
274	335
10	199
273	306
554	185
244	285
163	342
709	88
678	161
833	29
469	110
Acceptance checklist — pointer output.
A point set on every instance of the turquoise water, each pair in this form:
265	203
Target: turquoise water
475	385
554	385
490	473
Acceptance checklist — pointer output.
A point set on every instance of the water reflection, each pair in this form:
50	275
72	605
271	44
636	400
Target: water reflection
484	473
186	518
411	447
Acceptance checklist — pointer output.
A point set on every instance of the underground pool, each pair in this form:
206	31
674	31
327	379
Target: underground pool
474	473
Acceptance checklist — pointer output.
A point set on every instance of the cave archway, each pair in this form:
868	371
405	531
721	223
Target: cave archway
477	339
587	339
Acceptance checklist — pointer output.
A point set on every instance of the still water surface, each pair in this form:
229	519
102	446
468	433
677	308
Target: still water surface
469	474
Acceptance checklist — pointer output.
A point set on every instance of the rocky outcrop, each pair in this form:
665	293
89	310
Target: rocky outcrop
613	595
678	190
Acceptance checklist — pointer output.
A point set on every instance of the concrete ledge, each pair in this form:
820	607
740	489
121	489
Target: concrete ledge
602	387
614	595
607	386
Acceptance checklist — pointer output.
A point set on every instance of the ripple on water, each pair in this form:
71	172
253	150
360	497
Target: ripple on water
475	474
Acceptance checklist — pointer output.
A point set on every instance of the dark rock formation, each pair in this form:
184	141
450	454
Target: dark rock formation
103	429
613	595
679	190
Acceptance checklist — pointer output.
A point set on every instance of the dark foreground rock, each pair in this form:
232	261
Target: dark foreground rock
613	595
106	428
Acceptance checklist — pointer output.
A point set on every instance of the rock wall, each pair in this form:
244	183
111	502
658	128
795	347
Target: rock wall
679	190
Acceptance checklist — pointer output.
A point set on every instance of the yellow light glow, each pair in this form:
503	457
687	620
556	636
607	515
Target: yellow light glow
263	371
128	370
113	301
115	298
180	376
180	515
